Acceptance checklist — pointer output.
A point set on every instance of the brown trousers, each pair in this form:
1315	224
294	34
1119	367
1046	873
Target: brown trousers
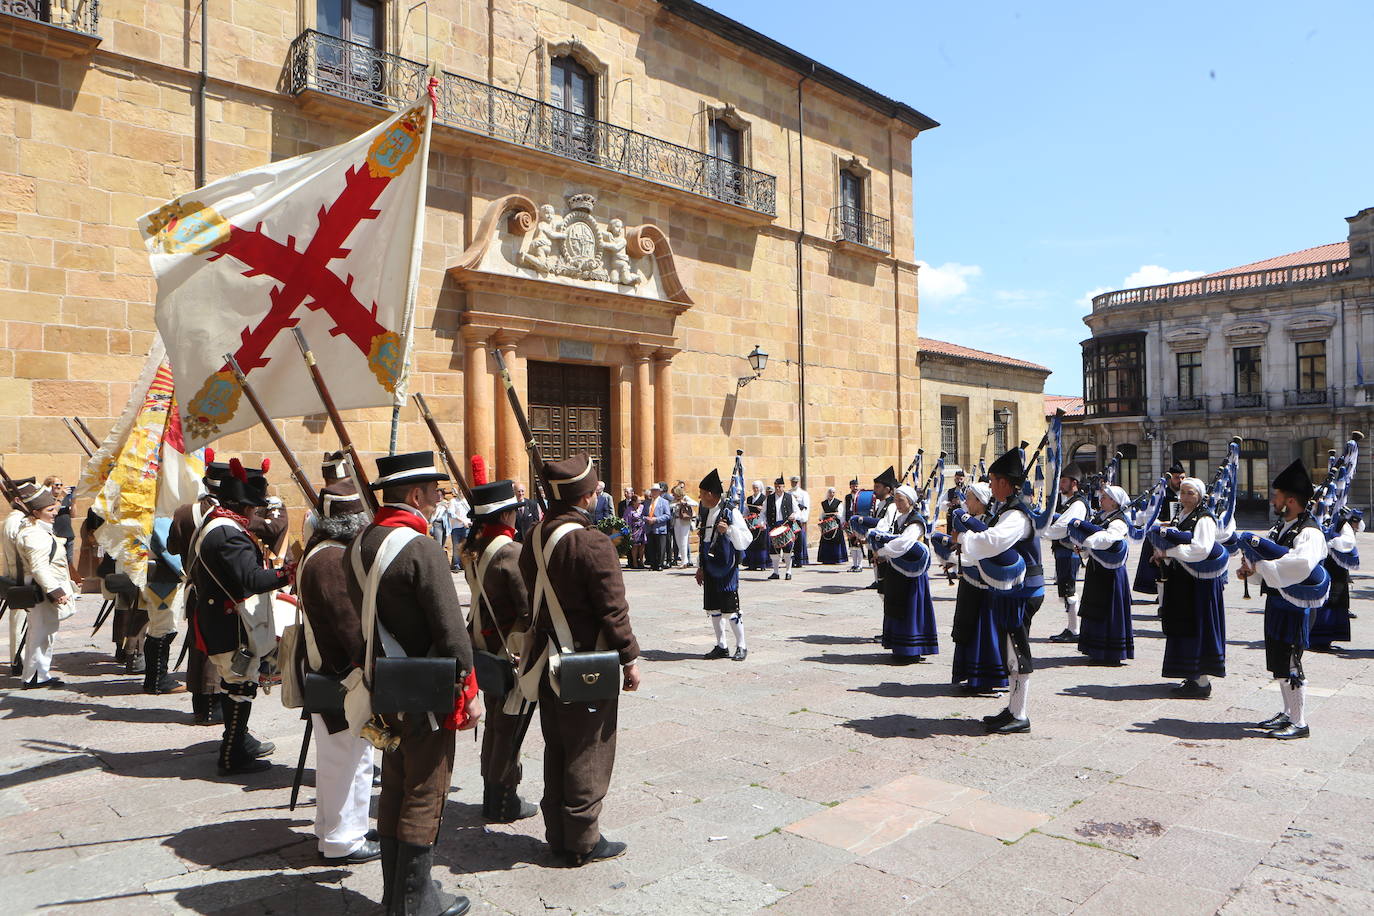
415	782
500	766
579	755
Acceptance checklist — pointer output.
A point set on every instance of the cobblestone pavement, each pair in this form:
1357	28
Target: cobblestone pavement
810	778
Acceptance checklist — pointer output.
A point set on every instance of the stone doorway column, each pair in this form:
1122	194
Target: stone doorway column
477	395
643	439
512	462
663	417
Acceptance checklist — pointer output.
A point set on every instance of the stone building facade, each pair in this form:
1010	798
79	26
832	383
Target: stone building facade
981	403
1272	351
751	196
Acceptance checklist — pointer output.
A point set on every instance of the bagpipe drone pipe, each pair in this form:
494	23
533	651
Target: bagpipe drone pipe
1310	592
1112	556
1051	447
928	505
914	562
719	560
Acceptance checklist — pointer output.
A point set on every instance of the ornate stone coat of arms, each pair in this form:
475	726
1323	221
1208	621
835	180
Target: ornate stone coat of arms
576	245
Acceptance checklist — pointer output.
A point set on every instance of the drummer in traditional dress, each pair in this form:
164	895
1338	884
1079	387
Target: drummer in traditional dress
1106	636
979	663
1073	506
909	630
780	513
1192	607
756	555
832	551
854	542
723	536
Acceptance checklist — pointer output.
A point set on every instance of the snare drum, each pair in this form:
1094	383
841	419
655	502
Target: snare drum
830	526
782	538
863	503
756	522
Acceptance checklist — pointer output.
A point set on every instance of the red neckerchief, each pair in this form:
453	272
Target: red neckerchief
221	512
395	517
496	529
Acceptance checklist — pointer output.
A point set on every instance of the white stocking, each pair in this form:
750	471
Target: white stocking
1071	612
1299	705
737	627
1020	690
720	630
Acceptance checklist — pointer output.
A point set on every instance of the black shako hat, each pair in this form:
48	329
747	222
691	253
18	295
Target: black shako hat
711	483
1295	481
406	470
1009	466
340	498
216	473
888	478
1072	471
491	499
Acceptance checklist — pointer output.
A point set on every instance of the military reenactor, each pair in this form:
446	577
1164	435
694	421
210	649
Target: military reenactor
724	537
10	566
498	622
1285	621
43	561
227	567
162	596
334	646
202	680
1073	507
583	573
417	608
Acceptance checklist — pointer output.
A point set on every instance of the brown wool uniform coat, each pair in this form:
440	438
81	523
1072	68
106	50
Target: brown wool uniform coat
417	603
506	610
579	739
335	617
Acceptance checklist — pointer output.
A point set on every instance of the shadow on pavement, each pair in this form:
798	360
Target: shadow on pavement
877	657
34	704
317	892
662	655
1118	692
893	690
1184	728
834	589
240	844
197	761
900	726
826	639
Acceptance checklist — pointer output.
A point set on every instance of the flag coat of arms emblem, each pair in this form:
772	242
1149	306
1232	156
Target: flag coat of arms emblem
328	241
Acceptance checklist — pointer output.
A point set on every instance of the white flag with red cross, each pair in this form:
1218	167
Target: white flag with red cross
328	241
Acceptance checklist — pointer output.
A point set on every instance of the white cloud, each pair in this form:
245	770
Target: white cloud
1146	275
948	281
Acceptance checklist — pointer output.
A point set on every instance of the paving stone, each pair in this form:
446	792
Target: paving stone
1134	894
931	794
1339	860
864	824
1201	858
994	820
706	888
853	888
785	860
1122	817
1275	890
934	855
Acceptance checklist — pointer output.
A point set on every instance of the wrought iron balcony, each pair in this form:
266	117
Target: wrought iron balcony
850	224
1229	283
1184	404
75	15
1310	397
360	73
1243	400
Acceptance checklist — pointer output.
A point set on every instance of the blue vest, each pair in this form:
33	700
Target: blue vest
719	558
1064	545
1029	549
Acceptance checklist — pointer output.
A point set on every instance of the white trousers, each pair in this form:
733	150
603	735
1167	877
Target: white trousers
162	615
682	532
343	789
38	644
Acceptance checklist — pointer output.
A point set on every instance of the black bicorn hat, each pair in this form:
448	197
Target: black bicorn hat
406	470
1010	465
1072	471
711	483
1295	481
491	499
888	478
242	486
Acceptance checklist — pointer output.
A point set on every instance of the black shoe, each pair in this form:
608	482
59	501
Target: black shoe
414	891
50	682
871	585
1290	731
604	849
1273	722
1013	726
774	576
1066	636
258	748
788	577
1192	690
503	805
370	851
992	723
717	652
234	757
740	655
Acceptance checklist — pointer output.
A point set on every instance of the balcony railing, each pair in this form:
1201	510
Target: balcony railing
851	224
1114	407
77	15
1311	397
360	73
1231	283
1184	404
1243	400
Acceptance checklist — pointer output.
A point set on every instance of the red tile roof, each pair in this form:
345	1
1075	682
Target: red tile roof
1332	252
982	356
1072	405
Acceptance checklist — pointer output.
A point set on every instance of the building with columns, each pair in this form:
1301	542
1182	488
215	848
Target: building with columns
626	197
1272	351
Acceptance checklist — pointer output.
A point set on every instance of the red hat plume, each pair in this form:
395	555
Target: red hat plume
479	470
236	468
209	454
266	463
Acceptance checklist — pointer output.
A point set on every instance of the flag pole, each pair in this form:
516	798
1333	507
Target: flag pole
364	487
297	473
442	444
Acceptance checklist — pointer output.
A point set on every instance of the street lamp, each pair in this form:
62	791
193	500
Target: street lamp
758	360
1001	419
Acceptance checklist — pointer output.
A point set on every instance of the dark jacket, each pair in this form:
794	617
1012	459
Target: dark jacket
227	569
585	573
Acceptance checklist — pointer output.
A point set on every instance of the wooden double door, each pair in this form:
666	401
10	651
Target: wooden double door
570	411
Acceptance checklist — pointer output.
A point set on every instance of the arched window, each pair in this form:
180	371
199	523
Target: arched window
1192	454
572	90
1252	489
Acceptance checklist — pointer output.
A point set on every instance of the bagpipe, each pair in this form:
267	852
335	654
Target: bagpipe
928	502
1112	556
1044	497
1220	503
1002	573
1311	592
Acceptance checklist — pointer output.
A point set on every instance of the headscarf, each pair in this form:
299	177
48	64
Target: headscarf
981	490
909	492
758	484
1198	486
1118	495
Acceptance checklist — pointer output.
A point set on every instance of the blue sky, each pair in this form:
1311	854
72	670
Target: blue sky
1089	146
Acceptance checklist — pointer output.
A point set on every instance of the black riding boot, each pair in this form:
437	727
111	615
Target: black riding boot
234	756
157	679
150	669
503	805
414	892
388	844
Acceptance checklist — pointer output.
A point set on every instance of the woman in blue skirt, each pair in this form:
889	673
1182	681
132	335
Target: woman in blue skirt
1331	622
1105	633
756	554
978	662
1192	608
908	614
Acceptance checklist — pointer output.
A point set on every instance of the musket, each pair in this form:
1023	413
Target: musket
11	491
77	436
312	496
87	430
369	497
453	467
531	447
300	763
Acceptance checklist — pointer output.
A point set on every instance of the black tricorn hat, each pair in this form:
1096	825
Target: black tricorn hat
406	470
888	478
1072	471
1295	481
711	483
1009	465
491	499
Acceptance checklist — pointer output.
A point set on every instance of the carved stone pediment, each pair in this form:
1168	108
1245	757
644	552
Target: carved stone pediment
1246	330
1312	326
1190	338
571	246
